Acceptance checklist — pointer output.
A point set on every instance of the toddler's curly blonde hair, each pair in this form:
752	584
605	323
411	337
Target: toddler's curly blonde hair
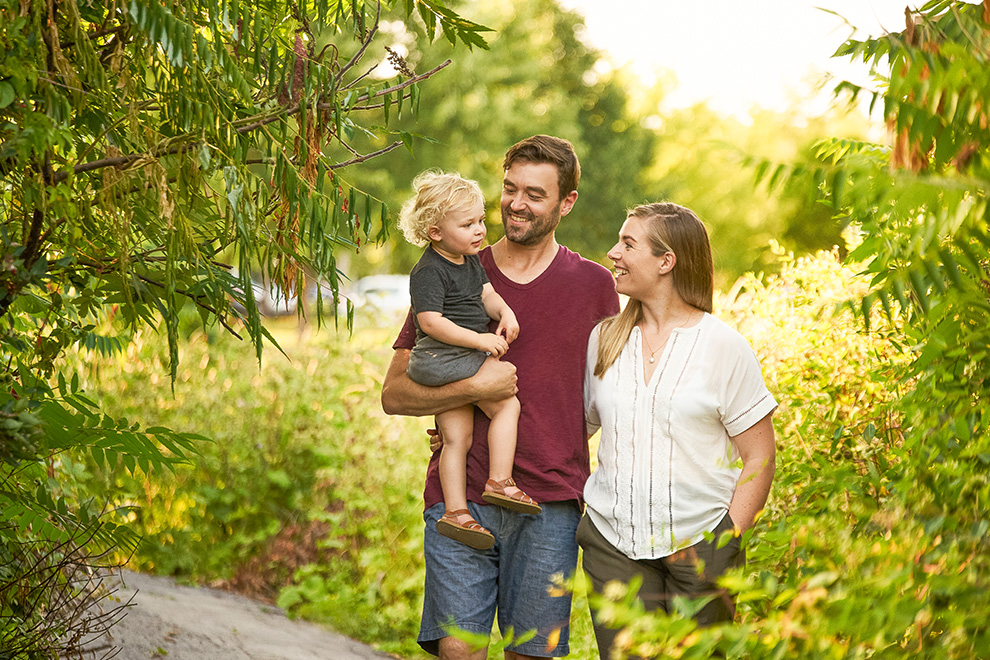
437	193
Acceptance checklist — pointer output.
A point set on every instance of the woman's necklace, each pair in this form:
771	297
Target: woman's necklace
650	348
670	325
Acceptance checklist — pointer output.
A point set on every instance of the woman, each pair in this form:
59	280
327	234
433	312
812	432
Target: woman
687	446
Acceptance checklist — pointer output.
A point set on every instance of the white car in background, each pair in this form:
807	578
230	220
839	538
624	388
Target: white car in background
374	295
270	299
382	293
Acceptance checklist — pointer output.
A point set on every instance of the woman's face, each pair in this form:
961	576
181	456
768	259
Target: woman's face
637	269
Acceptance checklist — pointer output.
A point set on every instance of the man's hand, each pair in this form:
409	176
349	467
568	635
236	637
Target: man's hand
436	440
495	380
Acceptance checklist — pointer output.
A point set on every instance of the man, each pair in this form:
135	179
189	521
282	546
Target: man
557	297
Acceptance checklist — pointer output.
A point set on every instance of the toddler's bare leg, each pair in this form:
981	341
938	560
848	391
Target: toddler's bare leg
456	427
502	438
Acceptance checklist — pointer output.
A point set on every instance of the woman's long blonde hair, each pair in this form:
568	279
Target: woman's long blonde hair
670	228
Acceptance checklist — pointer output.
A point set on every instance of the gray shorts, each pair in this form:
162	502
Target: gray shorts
465	587
435	363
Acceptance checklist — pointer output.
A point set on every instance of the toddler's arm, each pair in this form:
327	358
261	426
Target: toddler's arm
499	310
443	329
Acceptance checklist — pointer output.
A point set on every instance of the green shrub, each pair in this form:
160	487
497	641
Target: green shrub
857	554
307	485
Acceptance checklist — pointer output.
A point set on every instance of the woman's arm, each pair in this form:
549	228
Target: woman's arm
758	451
496	380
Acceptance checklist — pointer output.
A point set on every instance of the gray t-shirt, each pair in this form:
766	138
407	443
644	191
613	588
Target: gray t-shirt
453	290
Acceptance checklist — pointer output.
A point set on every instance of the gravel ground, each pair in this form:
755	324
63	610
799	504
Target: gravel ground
167	620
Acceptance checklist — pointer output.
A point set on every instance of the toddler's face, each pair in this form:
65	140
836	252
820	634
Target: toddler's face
461	232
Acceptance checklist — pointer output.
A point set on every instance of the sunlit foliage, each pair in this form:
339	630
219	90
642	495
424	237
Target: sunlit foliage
159	156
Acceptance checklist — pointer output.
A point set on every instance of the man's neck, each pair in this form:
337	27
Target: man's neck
524	263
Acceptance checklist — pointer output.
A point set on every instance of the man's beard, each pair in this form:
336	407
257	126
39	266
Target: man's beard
536	228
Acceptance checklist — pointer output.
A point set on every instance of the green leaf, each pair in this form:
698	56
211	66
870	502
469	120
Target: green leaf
7	95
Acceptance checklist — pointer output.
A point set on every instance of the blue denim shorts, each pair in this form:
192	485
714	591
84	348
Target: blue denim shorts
465	587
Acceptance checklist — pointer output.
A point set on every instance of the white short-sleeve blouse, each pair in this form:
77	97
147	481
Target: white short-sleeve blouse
666	467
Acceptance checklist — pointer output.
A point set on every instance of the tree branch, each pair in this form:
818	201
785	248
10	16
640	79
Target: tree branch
32	247
288	112
195	300
98	34
127	159
118	161
376	105
361	159
147	105
360	78
402	85
303	20
364	46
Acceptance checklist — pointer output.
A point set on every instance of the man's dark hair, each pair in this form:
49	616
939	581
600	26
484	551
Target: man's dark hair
548	149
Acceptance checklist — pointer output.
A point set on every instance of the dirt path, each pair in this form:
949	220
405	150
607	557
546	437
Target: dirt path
188	623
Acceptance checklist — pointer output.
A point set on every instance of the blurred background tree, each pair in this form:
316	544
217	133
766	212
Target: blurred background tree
537	77
540	76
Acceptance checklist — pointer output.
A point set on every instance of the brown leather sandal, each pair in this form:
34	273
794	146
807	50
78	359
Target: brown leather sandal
470	533
521	502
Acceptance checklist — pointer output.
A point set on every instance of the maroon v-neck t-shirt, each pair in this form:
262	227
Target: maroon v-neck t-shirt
556	313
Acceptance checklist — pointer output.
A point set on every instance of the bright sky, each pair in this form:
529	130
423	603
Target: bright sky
736	53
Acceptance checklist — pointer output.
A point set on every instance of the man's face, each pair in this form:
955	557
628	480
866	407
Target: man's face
531	204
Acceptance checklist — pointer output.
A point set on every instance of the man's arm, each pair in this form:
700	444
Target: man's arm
401	395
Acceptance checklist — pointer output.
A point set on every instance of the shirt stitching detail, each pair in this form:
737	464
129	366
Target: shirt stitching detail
747	411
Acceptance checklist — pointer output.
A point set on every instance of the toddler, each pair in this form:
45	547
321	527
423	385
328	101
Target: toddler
452	304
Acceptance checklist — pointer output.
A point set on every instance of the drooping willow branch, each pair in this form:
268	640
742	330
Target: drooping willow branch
361	159
196	299
127	159
364	46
